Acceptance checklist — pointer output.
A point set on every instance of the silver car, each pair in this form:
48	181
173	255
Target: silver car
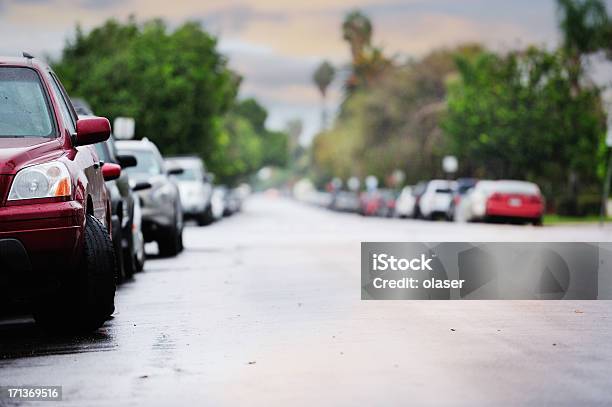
195	187
162	214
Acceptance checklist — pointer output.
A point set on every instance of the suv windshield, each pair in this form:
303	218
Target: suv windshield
23	107
147	163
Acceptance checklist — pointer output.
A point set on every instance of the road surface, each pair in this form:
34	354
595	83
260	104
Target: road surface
264	309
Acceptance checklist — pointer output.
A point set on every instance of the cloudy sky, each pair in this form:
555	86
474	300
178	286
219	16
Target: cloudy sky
276	44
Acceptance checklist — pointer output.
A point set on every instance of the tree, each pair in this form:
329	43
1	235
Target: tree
357	30
323	77
585	28
368	62
274	144
393	125
518	116
175	83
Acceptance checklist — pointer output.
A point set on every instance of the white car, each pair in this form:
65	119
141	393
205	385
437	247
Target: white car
405	204
436	199
195	188
218	202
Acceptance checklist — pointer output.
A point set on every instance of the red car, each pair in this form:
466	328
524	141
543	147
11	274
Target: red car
55	245
506	200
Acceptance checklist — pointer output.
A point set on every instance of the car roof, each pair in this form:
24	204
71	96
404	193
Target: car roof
24	62
191	159
134	144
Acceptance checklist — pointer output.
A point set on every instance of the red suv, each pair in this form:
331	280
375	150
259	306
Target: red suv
55	245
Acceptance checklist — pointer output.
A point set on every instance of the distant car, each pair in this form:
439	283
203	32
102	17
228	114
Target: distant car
389	197
417	191
345	201
55	242
379	202
436	199
218	202
162	214
463	186
234	201
504	200
371	203
405	204
195	186
122	208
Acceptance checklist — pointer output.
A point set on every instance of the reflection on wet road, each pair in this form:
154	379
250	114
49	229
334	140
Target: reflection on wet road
264	308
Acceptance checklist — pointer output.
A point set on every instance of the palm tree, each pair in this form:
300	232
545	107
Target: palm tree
323	77
584	25
357	30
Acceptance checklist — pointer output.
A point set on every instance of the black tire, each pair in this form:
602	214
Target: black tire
121	272
205	218
129	256
170	244
86	297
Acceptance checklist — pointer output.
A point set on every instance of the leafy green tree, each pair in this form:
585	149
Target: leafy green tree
275	144
519	116
175	84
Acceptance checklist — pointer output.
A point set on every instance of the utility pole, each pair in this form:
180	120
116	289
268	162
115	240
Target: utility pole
606	186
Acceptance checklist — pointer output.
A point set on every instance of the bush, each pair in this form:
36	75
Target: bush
583	205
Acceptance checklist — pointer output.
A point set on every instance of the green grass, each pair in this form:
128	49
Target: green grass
560	220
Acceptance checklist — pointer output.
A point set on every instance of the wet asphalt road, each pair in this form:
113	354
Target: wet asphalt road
264	309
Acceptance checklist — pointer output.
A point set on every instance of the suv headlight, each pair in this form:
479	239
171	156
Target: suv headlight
41	181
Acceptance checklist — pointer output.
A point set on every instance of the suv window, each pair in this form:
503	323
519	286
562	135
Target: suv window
65	111
24	111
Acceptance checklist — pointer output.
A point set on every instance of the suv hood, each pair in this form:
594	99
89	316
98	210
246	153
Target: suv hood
16	153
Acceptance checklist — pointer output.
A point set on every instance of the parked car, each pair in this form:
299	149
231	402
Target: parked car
218	202
389	197
123	198
345	201
195	187
162	214
435	199
463	186
234	201
506	200
380	202
417	192
404	207
55	241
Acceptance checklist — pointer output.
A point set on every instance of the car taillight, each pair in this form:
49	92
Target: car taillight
496	197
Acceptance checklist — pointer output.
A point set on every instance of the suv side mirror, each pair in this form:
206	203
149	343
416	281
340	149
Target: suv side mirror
175	171
92	130
111	171
127	161
141	186
209	177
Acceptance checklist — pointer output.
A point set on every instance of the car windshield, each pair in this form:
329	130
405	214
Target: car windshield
516	187
24	111
147	163
189	174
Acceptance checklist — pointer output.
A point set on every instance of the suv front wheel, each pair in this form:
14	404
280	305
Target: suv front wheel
85	298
